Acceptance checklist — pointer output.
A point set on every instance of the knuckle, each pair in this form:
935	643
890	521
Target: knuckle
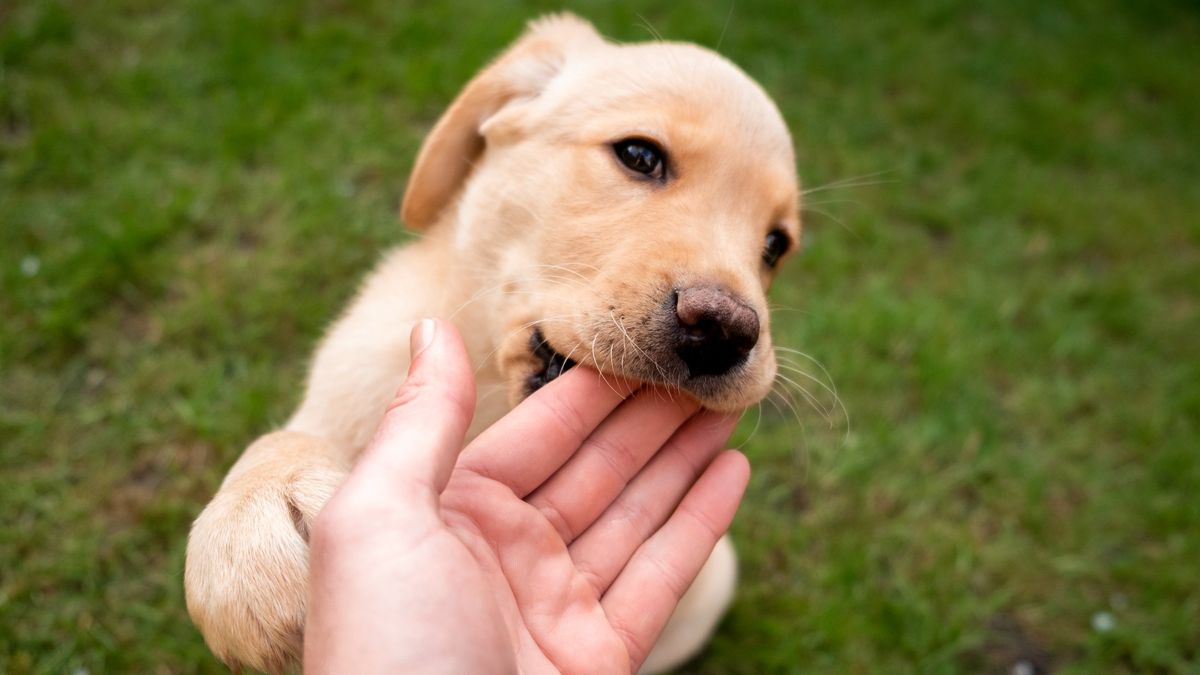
634	514
557	519
705	521
619	456
566	415
593	578
633	644
436	394
672	577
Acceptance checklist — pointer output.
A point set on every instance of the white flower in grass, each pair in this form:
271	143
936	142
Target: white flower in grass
1103	622
1023	667
30	265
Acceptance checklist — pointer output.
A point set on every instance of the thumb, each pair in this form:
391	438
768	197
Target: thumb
422	431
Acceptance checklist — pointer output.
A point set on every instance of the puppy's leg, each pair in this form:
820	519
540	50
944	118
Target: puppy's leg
247	555
246	575
698	613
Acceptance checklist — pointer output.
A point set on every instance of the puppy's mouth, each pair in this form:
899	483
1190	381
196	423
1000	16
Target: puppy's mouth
702	340
552	363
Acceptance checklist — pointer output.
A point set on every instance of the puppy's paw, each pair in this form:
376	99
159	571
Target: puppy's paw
246	575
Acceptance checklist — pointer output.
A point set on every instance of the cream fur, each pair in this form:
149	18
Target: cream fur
528	219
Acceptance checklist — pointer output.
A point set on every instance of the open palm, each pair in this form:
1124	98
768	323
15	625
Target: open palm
559	541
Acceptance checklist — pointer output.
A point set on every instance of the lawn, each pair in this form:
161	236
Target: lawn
1001	277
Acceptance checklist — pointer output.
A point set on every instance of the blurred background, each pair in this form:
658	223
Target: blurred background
1001	279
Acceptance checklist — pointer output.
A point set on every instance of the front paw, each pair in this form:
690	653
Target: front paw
246	576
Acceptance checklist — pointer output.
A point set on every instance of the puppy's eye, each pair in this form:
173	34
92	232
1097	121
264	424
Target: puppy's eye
641	156
776	245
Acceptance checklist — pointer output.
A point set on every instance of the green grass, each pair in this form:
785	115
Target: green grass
190	192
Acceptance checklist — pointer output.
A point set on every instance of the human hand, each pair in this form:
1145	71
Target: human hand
559	541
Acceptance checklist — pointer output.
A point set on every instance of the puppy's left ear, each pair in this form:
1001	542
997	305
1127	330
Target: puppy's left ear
518	75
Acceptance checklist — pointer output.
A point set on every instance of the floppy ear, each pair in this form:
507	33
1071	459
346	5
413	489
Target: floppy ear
519	74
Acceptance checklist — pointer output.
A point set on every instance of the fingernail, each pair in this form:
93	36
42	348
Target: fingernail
422	336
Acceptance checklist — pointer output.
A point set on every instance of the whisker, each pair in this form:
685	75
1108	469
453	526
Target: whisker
832	201
853	181
808	396
596	363
650	29
728	16
837	400
612	315
811	359
753	432
780	308
788	401
831	387
491	390
802	373
834	218
800	454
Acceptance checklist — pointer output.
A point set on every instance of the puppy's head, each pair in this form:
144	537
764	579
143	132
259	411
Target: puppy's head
630	205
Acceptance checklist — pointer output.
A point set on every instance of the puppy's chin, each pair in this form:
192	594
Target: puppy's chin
734	392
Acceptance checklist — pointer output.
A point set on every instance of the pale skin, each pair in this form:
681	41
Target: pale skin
559	540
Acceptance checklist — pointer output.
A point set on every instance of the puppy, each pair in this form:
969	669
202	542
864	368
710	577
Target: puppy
619	206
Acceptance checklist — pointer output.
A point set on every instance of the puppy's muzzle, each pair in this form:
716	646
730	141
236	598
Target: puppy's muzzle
716	330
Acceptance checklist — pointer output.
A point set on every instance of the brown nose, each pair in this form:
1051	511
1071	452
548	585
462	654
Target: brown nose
716	329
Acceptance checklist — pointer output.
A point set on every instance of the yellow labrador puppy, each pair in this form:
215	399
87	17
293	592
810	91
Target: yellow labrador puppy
620	206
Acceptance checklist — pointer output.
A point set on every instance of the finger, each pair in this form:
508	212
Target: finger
538	579
603	549
530	443
580	491
642	598
423	429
